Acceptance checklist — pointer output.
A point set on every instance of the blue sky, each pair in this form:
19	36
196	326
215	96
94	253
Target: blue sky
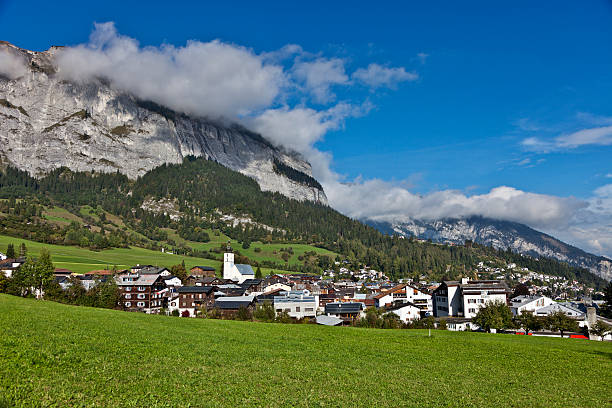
488	77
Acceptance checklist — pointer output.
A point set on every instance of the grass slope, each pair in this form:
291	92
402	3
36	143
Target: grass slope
83	260
58	355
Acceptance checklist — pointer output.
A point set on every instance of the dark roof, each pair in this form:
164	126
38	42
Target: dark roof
204	268
399	305
251	282
234	302
344	307
195	289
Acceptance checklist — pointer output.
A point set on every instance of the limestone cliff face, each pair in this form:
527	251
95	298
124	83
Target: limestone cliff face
46	123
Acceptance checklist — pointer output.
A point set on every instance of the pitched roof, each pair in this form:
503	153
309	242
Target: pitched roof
245	269
139	280
390	291
233	302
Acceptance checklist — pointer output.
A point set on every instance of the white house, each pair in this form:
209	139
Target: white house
531	303
465	298
172	281
406	311
236	272
298	304
2	256
407	293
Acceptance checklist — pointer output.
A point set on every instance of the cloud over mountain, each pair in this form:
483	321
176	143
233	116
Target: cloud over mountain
291	97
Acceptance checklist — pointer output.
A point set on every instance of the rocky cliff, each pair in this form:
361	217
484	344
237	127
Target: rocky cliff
499	234
47	122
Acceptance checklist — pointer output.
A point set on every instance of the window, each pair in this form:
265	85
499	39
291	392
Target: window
141	296
471	310
141	304
128	304
128	288
309	309
141	288
297	308
471	300
480	300
128	296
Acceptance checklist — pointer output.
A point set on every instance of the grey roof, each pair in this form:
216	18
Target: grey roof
233	302
521	300
251	282
329	320
139	280
245	269
151	270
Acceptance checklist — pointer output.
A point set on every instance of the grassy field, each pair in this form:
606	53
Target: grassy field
83	260
57	355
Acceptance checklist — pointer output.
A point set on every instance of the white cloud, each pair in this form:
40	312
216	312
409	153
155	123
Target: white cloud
320	75
208	79
12	65
377	76
601	136
386	202
586	224
422	57
609	175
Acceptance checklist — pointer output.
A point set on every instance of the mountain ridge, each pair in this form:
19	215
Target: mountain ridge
47	122
499	234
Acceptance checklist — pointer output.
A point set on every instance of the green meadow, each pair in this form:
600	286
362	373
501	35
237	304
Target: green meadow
67	356
81	260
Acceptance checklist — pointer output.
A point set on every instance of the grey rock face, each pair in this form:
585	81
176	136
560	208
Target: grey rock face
499	234
46	123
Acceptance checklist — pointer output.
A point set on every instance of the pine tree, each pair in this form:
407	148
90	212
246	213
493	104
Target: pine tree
10	251
23	250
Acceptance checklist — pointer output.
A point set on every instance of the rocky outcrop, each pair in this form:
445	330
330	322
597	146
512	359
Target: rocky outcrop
47	122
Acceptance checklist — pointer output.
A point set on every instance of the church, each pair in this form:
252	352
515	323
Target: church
236	272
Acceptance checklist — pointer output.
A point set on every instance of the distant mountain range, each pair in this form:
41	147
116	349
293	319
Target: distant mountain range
499	234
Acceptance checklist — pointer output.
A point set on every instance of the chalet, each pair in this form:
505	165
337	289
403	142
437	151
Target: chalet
298	304
9	265
154	270
276	278
202	272
252	286
230	305
348	311
141	292
2	256
192	299
408	293
204	281
464	298
62	272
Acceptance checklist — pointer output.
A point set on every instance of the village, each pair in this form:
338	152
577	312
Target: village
333	298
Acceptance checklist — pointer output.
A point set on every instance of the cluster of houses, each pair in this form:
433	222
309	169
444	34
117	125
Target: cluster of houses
153	289
558	287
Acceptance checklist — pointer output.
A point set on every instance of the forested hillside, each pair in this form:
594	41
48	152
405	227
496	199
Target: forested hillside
187	202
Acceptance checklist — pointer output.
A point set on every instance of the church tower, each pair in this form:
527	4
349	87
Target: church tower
228	263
